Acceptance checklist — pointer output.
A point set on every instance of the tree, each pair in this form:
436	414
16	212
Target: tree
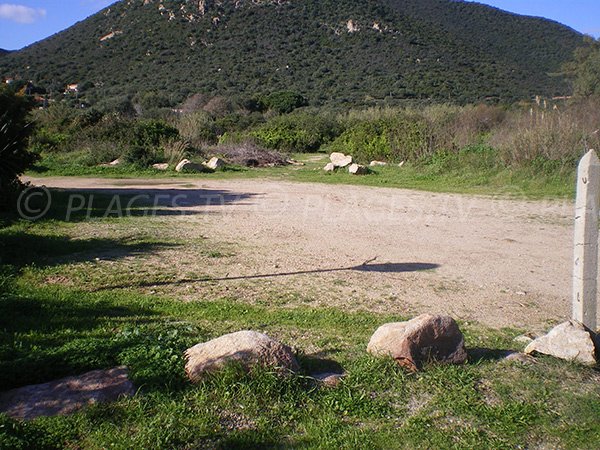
584	70
15	129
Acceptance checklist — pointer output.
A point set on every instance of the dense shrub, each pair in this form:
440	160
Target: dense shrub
199	128
151	133
297	132
405	136
545	133
15	158
285	101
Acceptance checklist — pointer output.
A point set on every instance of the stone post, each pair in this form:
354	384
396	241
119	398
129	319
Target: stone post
585	266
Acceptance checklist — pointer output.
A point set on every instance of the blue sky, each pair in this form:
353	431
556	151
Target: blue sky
23	22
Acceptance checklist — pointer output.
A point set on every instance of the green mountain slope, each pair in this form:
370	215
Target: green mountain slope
340	51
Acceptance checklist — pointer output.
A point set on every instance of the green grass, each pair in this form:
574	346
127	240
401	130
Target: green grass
52	330
523	182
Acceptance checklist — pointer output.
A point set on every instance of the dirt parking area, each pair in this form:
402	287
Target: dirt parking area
501	262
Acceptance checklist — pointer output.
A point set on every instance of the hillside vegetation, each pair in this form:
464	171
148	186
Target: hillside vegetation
342	51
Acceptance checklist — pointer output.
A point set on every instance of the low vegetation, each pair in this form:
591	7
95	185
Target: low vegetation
531	149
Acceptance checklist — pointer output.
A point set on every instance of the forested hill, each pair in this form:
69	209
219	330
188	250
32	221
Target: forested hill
341	51
4	52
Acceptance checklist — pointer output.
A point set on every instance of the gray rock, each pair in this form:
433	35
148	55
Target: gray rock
247	348
67	395
328	379
162	166
524	339
422	339
357	169
114	163
377	163
519	357
186	165
570	340
330	167
215	163
340	160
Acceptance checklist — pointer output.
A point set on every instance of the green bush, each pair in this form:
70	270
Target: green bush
396	138
297	132
284	101
15	129
151	133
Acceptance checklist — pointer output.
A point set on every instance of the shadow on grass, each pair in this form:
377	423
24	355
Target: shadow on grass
44	338
482	354
381	268
20	248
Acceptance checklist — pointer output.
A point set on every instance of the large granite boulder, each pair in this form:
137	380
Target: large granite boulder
247	348
340	160
423	339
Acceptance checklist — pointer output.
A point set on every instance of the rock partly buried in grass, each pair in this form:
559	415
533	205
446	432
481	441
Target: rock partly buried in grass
161	166
330	167
328	379
67	395
186	165
215	163
340	160
357	169
114	163
246	348
426	338
570	341
377	163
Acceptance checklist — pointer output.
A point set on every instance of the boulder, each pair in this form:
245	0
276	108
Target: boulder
247	348
330	167
185	165
340	160
215	163
162	166
377	163
570	340
66	395
420	340
357	169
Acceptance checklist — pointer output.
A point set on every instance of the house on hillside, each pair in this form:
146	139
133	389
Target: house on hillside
72	88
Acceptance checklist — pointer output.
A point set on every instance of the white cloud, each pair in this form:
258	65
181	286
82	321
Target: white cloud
20	13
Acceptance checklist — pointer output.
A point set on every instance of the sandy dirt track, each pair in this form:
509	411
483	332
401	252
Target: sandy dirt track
503	263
